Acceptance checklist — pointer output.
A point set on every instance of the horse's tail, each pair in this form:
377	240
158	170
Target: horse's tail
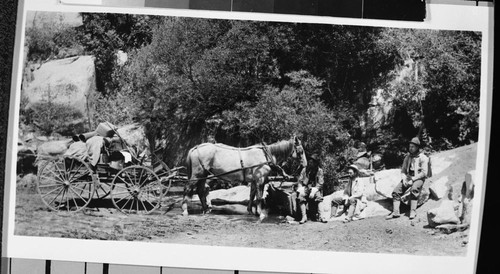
188	187
189	164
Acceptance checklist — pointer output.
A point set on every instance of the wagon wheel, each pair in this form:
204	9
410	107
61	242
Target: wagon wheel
66	184
153	162
136	189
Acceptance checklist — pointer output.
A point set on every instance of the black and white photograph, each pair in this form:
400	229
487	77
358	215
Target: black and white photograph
255	134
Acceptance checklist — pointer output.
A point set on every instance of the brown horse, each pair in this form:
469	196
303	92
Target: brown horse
250	164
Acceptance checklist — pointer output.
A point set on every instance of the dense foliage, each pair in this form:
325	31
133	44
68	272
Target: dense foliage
103	34
192	80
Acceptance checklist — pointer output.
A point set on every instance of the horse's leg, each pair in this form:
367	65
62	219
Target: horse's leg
253	191
264	210
202	191
207	196
261	208
188	193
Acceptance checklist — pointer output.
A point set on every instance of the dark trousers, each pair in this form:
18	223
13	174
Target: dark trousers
400	189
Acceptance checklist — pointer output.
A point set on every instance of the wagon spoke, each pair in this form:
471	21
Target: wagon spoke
131	205
124	205
57	195
74	201
142	203
79	188
122	187
77	194
139	178
152	186
50	185
81	176
82	186
50	192
123	192
74	172
152	205
65	197
76	204
71	166
49	178
63	176
125	198
67	172
131	180
56	175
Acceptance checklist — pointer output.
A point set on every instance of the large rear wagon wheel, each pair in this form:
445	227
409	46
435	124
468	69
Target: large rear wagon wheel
136	189
66	184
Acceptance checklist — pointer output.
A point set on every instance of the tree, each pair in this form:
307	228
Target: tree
194	70
103	34
442	89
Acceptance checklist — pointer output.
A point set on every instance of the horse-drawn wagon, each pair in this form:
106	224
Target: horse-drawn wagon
69	183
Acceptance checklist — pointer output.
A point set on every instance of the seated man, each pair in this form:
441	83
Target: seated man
309	190
413	174
354	199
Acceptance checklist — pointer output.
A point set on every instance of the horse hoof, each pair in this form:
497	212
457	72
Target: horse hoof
184	214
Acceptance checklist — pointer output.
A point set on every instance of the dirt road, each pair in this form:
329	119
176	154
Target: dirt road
374	235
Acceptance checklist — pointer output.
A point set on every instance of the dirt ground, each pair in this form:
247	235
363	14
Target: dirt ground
372	235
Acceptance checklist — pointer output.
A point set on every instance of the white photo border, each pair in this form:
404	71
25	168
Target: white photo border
444	17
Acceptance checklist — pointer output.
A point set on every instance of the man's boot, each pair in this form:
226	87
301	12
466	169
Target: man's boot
350	213
303	212
413	209
395	210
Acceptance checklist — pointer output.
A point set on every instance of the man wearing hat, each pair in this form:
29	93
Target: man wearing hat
310	187
354	195
413	174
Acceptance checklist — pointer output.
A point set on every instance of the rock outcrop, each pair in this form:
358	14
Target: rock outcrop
454	215
69	81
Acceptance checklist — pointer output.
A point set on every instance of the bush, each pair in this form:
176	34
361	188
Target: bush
52	118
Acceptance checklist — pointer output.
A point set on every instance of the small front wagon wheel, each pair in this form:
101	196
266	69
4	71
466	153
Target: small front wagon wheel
65	184
136	189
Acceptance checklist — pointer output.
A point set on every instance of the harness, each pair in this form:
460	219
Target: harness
267	155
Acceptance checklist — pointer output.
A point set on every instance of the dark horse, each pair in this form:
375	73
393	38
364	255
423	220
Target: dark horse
250	164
